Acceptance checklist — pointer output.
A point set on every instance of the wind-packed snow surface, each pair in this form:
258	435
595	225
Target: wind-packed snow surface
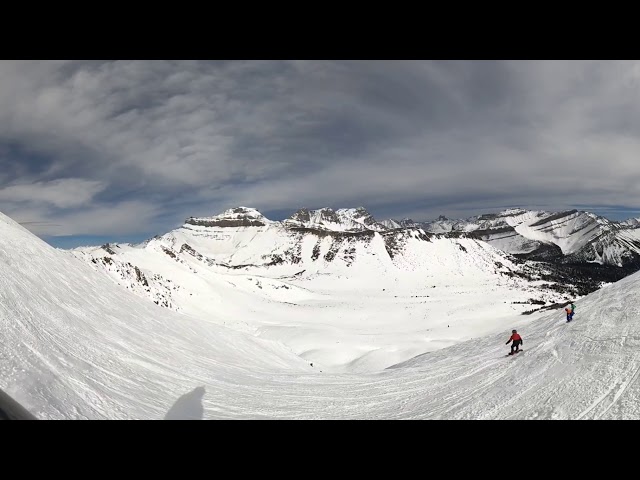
75	345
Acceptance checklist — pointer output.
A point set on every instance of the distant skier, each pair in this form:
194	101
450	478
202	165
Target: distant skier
573	310
517	341
569	314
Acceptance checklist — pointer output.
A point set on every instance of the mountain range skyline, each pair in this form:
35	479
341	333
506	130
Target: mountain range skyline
67	242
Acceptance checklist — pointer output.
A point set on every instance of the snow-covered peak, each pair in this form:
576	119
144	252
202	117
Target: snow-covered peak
441	225
325	216
391	224
632	222
404	223
512	211
233	217
604	222
344	219
355	213
239	212
362	216
313	218
507	218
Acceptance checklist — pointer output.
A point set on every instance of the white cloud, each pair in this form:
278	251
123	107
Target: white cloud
61	193
280	135
123	218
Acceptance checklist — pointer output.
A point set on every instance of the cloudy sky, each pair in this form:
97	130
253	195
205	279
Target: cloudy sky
124	150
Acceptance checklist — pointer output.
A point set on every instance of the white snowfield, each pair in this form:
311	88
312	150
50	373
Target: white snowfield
75	345
359	311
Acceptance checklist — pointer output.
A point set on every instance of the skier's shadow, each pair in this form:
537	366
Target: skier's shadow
188	406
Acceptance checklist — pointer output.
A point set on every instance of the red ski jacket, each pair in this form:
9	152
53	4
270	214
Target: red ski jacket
515	336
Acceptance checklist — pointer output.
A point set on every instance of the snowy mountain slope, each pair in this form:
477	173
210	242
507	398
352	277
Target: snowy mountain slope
496	229
568	230
74	345
267	278
506	218
508	240
587	369
617	247
360	216
585	237
632	222
535	234
336	284
390	224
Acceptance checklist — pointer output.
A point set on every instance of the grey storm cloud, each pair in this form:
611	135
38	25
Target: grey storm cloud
135	146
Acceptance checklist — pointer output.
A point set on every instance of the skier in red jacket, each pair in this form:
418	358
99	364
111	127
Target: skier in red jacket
517	341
